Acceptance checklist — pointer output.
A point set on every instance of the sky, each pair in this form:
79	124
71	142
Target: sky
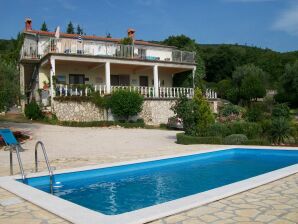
263	23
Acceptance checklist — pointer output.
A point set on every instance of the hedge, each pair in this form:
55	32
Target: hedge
257	142
101	124
188	140
250	129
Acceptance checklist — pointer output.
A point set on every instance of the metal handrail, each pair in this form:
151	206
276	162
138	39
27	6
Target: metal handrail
47	162
16	147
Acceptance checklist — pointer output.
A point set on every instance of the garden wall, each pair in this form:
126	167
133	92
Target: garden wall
155	111
78	111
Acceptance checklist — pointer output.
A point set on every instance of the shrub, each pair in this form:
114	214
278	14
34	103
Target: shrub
183	108
33	111
250	129
188	140
235	139
98	100
265	126
230	109
281	110
257	141
255	112
280	130
124	103
218	130
202	113
195	113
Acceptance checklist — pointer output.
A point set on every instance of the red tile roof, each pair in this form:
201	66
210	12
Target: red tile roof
93	37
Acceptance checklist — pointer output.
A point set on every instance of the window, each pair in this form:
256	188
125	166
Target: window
142	53
76	79
61	79
120	80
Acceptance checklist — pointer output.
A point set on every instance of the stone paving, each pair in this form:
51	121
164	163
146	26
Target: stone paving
14	210
275	203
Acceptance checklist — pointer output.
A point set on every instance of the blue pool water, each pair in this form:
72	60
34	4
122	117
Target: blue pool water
120	189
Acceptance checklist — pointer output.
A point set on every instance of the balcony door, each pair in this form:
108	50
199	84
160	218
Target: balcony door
143	81
120	80
76	79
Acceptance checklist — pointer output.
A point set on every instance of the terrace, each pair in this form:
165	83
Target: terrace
73	46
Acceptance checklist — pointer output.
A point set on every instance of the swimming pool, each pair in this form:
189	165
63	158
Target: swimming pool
123	190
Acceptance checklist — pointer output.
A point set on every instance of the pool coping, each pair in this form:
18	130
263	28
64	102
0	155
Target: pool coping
81	215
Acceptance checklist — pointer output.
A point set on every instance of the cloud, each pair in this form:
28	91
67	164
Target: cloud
287	20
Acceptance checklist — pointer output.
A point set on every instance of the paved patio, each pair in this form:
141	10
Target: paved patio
67	147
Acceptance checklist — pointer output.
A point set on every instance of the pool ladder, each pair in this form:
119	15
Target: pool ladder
17	149
47	162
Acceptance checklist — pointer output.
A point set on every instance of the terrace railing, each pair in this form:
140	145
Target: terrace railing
29	51
147	92
85	47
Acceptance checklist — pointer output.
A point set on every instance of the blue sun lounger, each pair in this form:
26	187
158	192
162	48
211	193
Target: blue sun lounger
10	139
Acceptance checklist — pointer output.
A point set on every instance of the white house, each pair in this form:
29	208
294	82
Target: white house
55	63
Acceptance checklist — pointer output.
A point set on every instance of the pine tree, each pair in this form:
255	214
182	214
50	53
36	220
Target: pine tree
202	113
70	28
44	26
79	30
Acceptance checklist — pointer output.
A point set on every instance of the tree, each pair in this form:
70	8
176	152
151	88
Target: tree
9	85
185	79
288	89
79	30
126	41
44	26
70	28
202	113
249	82
125	103
195	113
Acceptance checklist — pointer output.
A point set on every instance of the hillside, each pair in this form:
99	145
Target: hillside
221	60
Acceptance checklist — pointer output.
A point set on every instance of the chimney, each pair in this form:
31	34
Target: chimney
28	24
131	33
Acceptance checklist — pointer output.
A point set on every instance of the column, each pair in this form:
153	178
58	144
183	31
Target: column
108	76
155	79
22	86
193	76
52	73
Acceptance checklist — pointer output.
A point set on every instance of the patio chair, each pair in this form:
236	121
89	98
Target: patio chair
10	139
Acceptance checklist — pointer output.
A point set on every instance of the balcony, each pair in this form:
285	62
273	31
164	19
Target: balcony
105	49
147	92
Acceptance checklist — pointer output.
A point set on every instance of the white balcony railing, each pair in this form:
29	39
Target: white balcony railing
29	51
105	49
147	92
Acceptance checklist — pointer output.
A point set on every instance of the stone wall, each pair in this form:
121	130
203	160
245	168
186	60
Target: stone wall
157	111
78	111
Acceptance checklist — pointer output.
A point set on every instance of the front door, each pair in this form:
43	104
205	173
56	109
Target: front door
143	80
76	79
